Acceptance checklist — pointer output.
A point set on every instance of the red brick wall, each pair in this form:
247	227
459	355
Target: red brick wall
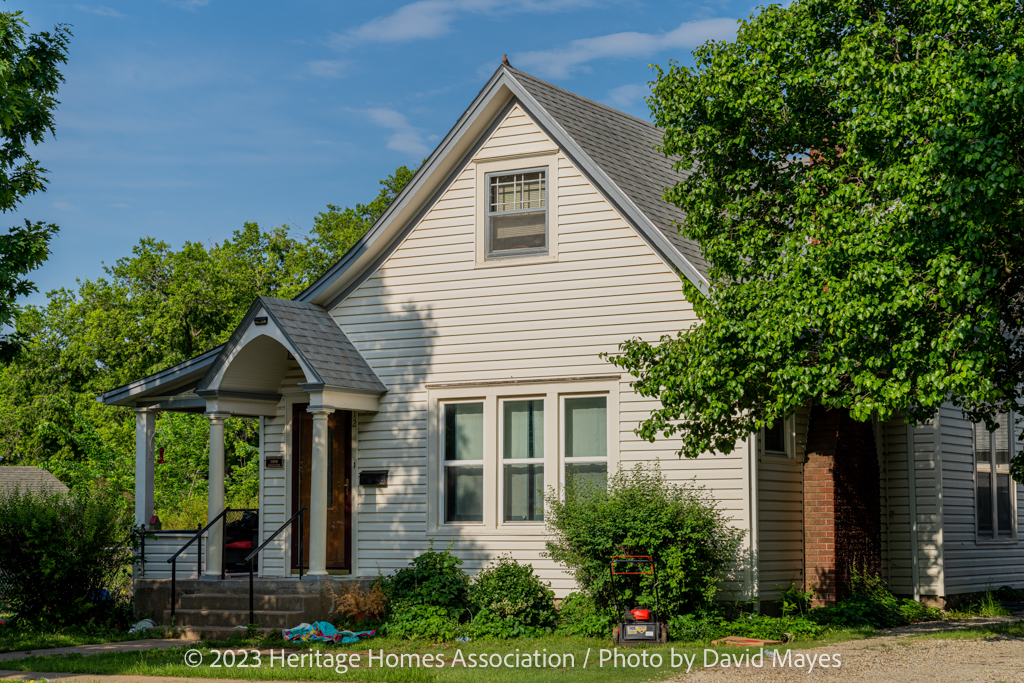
842	524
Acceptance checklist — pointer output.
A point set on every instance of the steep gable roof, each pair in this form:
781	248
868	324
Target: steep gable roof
614	150
625	148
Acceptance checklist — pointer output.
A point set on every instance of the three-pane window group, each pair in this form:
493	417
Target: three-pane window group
523	423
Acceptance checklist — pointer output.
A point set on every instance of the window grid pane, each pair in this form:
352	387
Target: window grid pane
524	493
464	494
518	191
775	438
523	424
586	427
464	431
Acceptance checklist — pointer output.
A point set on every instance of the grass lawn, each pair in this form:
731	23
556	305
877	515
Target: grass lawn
12	640
629	666
1013	629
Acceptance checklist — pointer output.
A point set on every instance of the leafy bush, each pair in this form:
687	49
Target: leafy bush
62	554
511	602
433	579
640	513
988	605
871	604
579	616
709	626
426	622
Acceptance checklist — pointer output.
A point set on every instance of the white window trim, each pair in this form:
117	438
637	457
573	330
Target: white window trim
491	396
483	169
519	461
563	459
995	539
789	431
444	465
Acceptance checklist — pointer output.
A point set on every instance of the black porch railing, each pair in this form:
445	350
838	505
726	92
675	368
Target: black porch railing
173	560
255	553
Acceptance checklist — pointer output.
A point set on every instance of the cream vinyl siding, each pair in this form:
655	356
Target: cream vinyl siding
275	498
780	516
971	565
159	549
897	531
431	315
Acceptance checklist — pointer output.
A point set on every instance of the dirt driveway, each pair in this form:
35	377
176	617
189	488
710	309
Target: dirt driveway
896	657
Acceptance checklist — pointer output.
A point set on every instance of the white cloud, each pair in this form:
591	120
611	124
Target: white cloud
404	138
627	95
434	18
563	61
190	5
63	206
100	10
327	68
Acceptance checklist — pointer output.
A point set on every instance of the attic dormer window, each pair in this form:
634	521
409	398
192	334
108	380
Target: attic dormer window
517	213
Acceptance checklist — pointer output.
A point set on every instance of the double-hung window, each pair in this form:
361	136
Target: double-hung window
462	439
994	502
517	213
522	458
585	434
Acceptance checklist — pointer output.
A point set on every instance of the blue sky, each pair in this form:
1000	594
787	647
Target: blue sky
181	119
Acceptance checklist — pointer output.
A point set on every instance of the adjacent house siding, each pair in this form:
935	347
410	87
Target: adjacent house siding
897	561
971	565
431	314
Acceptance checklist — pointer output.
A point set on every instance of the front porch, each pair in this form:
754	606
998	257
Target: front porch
289	365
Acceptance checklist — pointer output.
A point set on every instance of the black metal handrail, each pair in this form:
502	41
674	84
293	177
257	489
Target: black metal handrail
256	552
173	560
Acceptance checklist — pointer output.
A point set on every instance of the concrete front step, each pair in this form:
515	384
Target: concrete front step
236	601
229	618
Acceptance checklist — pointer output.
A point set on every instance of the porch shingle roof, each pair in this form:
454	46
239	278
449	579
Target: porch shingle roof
323	345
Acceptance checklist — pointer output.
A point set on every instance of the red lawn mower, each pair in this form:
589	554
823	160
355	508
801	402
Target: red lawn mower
639	624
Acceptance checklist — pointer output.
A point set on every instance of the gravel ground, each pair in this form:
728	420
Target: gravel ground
895	657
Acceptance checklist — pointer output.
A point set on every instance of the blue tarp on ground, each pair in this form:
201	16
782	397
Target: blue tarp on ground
323	632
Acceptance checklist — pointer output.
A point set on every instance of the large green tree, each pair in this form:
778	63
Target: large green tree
152	309
854	174
29	79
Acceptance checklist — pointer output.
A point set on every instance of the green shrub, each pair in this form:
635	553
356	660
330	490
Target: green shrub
511	602
640	513
425	622
988	605
871	604
62	556
433	579
710	626
579	616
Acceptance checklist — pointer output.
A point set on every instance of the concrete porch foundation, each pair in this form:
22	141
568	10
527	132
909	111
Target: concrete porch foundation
279	603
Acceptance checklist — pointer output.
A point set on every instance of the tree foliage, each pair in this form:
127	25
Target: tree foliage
29	79
854	174
152	309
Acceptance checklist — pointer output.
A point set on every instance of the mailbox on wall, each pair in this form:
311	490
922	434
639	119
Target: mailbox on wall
373	478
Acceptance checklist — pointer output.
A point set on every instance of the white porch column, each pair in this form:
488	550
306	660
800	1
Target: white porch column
145	428
318	493
215	540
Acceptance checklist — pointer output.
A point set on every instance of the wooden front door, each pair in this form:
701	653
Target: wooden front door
339	467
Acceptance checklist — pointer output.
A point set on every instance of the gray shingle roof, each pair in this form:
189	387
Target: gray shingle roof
29	479
624	147
323	345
